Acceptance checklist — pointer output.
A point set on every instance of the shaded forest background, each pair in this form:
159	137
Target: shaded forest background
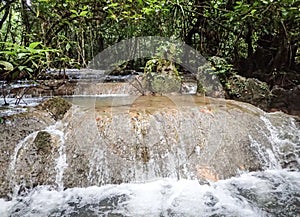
257	38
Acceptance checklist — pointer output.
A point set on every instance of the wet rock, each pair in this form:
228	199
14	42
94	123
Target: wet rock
12	131
161	76
178	137
285	100
249	90
166	140
56	106
208	83
34	160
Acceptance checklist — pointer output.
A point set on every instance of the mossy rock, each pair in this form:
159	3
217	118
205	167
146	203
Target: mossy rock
249	90
161	76
56	106
208	82
42	142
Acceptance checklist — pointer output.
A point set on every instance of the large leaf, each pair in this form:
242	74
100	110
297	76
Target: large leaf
7	65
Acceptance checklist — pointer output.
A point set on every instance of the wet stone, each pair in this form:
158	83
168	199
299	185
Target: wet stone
43	142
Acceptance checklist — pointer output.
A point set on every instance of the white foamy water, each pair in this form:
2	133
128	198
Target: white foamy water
11	170
268	193
61	161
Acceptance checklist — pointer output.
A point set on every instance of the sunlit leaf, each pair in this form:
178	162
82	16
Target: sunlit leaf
7	65
83	13
33	45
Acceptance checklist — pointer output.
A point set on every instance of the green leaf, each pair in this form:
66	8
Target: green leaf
253	12
140	2
74	12
7	65
21	55
113	5
33	45
68	46
21	68
83	13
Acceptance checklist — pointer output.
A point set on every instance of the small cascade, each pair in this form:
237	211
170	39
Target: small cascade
61	161
11	173
283	149
107	89
285	142
144	138
34	156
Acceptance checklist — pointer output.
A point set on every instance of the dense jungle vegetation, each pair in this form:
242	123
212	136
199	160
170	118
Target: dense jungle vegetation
257	38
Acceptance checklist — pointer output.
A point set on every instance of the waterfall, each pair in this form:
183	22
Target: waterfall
16	179
158	156
61	161
283	150
285	141
11	173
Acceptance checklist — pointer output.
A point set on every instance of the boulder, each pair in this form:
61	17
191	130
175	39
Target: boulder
56	106
161	76
141	138
285	100
208	82
249	90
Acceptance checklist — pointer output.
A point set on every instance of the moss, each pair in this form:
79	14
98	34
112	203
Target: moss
249	90
208	82
42	142
56	106
161	76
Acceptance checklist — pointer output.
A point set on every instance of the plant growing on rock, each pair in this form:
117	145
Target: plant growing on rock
160	73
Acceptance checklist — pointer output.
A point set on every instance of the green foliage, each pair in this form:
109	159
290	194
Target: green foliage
50	33
7	66
26	60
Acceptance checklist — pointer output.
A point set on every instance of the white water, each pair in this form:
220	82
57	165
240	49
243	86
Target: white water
11	170
61	161
267	193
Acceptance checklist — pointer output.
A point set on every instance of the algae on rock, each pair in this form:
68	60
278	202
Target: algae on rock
161	76
42	142
56	106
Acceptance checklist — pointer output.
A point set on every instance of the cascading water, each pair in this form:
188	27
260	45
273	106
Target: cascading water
61	163
16	182
148	156
284	148
11	170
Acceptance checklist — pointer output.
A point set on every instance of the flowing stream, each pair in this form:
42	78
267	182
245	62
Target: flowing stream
161	156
